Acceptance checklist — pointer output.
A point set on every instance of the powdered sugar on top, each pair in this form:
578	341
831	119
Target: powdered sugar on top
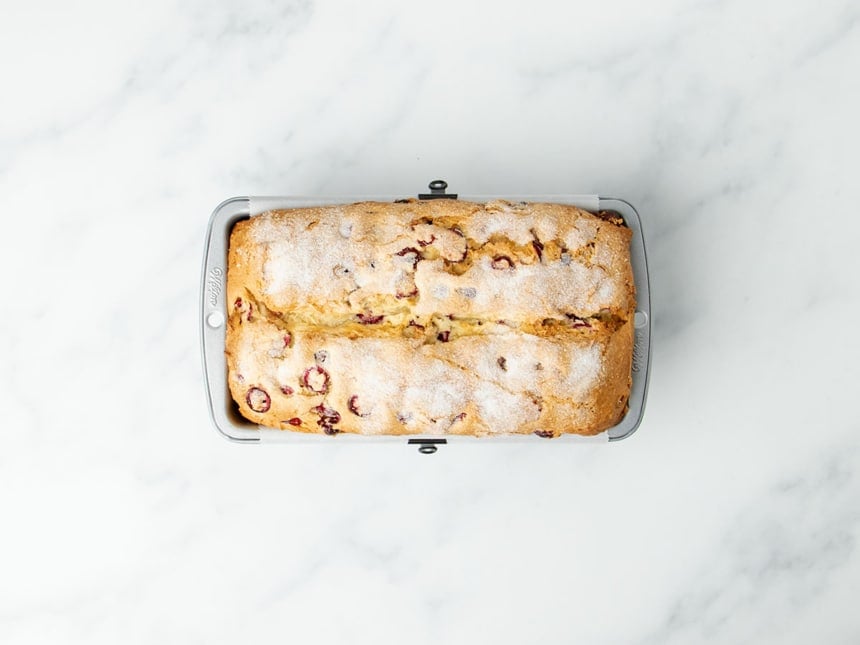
486	224
298	257
336	258
436	391
503	411
518	222
316	268
536	290
368	369
583	370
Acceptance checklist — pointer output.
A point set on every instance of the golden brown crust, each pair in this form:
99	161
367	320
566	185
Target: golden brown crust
438	317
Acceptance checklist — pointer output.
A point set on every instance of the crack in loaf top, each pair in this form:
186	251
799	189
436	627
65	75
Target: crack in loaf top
518	261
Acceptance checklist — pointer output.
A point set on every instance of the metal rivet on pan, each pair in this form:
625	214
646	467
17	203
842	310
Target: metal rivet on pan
215	319
427	449
640	319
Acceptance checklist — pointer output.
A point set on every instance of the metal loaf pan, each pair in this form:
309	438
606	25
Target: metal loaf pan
213	313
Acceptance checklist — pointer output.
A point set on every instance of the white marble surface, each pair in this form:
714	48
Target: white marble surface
733	515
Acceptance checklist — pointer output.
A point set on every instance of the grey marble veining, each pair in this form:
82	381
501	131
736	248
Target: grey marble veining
731	516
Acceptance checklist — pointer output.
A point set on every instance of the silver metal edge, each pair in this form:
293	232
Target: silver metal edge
212	301
642	335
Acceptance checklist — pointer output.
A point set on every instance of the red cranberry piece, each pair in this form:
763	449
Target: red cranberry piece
442	336
286	389
537	244
328	418
238	303
250	311
258	400
459	417
465	246
576	324
288	339
502	262
406	290
326	412
369	319
546	434
503	363
295	421
355	408
316	379
410	253
405	286
424	243
412	323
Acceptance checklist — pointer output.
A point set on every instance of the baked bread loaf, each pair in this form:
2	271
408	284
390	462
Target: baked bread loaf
431	317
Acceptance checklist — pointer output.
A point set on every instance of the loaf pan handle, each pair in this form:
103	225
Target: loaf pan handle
213	321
